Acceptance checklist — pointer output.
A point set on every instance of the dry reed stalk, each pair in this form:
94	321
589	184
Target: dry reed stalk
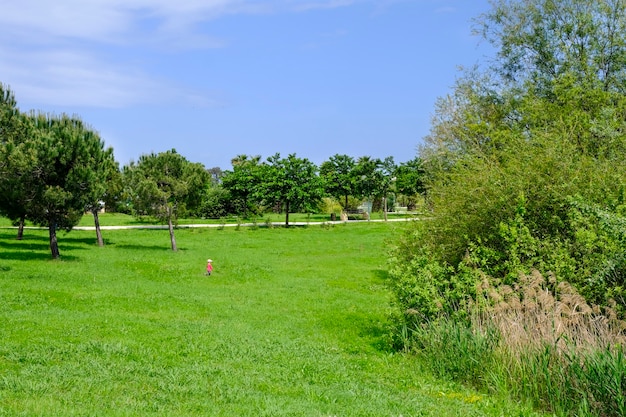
537	312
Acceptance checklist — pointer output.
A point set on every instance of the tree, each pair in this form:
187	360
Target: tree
16	158
387	170
65	172
338	177
292	182
368	178
541	40
164	185
410	178
113	197
108	173
216	175
243	180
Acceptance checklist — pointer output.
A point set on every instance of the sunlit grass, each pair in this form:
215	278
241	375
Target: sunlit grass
291	323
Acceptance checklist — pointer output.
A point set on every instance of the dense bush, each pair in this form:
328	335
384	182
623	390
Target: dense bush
536	340
525	171
216	203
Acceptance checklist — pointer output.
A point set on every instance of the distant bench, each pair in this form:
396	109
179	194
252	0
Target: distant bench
350	215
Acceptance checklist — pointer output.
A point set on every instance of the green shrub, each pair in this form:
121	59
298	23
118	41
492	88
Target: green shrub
454	349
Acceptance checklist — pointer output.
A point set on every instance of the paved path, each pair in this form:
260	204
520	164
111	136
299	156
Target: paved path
259	224
215	225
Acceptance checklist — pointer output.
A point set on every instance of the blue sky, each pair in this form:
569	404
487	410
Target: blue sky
218	78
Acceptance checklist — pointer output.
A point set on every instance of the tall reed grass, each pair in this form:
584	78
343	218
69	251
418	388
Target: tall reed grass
538	341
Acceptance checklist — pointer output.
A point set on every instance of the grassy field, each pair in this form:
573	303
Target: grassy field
291	323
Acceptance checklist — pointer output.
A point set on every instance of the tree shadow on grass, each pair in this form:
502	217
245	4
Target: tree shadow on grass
23	255
29	245
24	245
383	274
147	247
12	236
379	336
33	247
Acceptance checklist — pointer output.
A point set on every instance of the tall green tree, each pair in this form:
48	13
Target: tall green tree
242	181
541	40
368	178
66	172
164	185
16	160
387	170
338	176
410	179
108	173
292	182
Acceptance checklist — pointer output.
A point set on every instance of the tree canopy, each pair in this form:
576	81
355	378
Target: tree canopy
339	177
542	40
242	181
164	185
525	165
16	160
66	172
291	182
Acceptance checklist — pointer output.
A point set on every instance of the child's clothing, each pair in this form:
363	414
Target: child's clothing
209	268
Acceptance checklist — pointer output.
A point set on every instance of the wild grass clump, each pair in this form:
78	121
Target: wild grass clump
538	341
557	350
454	349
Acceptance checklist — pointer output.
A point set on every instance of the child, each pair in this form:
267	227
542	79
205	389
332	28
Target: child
209	267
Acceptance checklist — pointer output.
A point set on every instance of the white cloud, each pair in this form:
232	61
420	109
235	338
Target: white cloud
60	52
68	77
112	20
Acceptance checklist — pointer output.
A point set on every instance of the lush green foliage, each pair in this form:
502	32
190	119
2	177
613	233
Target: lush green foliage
15	157
255	187
163	185
338	178
410	180
291	183
52	168
510	171
525	171
291	323
241	183
540	40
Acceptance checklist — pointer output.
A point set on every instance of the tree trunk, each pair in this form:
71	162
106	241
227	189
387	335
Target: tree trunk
287	214
54	245
385	207
97	223
170	226
20	228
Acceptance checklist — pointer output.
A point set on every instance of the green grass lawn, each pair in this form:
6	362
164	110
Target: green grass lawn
292	323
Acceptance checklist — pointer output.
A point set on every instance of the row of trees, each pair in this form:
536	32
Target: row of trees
294	184
53	169
167	186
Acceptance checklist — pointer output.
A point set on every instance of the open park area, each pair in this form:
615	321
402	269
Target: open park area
292	322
